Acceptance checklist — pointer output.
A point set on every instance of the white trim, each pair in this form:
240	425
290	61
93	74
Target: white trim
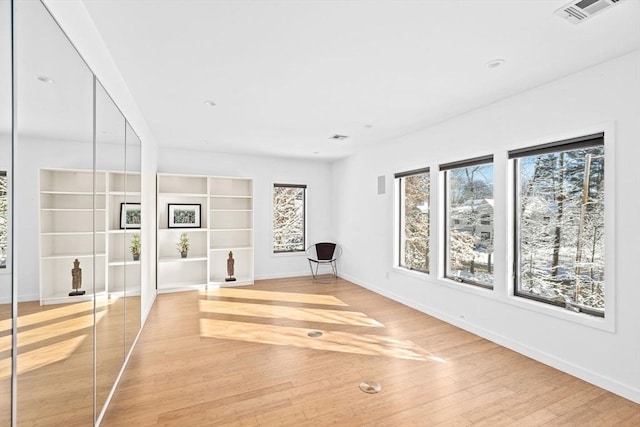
282	275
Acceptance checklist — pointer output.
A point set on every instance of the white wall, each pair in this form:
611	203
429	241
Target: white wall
266	171
604	97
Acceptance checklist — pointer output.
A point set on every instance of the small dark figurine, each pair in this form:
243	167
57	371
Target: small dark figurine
76	279
230	264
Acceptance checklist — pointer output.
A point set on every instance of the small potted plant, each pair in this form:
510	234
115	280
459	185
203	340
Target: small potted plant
135	246
183	245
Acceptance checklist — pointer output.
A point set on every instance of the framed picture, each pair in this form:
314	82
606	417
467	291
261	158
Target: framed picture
184	216
130	215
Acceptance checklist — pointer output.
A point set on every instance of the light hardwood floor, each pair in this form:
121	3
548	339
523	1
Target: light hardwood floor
242	357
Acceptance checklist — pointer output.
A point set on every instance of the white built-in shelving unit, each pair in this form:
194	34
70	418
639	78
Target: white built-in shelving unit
80	218
226	215
123	271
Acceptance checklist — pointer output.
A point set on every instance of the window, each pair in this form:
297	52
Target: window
3	219
289	218
469	221
559	241
414	219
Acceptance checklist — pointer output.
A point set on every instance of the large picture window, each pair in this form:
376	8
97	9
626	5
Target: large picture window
289	218
413	217
560	223
469	221
3	219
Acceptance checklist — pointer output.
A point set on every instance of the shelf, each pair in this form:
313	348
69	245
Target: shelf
231	210
230	196
71	256
123	262
231	248
177	195
182	230
165	260
231	229
121	293
125	193
60	298
181	287
71	233
127	231
73	193
240	281
72	210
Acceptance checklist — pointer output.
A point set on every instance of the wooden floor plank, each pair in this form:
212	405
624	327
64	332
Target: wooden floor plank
187	370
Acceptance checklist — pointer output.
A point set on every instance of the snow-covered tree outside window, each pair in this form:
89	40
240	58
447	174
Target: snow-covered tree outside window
560	226
289	218
414	219
469	214
3	219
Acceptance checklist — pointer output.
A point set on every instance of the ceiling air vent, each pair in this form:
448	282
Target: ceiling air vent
581	10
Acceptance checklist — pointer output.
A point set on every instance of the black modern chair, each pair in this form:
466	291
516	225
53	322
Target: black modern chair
324	253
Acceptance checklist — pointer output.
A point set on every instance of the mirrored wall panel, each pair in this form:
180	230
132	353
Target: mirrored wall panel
57	271
6	345
77	191
132	250
110	168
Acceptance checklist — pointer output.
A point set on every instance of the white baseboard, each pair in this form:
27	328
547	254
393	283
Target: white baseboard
21	298
282	275
624	390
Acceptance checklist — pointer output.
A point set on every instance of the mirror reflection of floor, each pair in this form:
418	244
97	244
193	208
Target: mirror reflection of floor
5	364
55	358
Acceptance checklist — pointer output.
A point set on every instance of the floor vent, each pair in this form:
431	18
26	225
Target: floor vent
370	387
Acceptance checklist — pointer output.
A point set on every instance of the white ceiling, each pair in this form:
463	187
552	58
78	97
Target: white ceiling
287	75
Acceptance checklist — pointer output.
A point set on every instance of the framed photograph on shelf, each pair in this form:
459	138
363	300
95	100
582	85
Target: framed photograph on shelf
184	216
130	216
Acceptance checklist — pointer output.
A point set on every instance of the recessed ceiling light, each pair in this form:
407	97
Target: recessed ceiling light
203	142
45	79
368	126
210	103
338	137
495	63
316	152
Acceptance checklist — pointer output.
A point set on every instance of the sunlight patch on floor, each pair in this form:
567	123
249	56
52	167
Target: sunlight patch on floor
49	314
49	331
42	356
273	296
344	342
293	313
51	353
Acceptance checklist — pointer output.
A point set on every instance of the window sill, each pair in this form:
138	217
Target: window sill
420	275
603	323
